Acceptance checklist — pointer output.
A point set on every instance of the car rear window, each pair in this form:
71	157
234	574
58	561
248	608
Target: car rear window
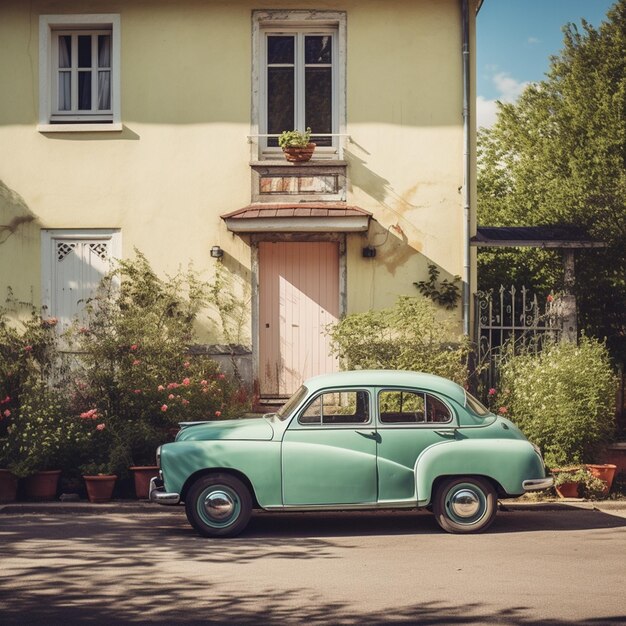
476	406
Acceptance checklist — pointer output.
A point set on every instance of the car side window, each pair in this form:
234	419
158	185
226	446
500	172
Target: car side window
411	407
337	407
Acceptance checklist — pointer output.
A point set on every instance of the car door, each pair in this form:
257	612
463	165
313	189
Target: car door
329	451
409	421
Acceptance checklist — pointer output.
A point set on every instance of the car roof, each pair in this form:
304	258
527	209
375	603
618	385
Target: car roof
385	378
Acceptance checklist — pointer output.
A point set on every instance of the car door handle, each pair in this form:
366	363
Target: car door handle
446	433
370	435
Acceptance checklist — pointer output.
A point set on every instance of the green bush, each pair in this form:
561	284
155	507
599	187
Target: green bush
408	336
134	376
563	399
42	435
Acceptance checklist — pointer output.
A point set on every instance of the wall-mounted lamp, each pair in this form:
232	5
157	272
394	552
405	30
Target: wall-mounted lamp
369	252
217	252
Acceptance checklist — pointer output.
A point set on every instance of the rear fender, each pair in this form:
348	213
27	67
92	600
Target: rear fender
508	462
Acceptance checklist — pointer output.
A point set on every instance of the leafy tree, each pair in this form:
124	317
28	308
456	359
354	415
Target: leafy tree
558	156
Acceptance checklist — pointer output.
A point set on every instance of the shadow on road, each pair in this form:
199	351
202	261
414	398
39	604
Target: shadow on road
152	568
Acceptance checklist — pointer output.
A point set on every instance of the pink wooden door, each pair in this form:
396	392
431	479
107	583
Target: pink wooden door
298	297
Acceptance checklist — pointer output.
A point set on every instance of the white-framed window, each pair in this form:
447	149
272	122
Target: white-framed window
79	72
73	262
299	77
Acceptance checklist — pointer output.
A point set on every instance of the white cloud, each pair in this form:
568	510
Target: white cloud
509	90
533	41
486	112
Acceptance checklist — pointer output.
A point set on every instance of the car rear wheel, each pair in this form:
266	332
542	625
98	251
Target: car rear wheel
218	505
465	505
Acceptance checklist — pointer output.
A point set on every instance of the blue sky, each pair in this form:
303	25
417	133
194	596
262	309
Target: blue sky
515	39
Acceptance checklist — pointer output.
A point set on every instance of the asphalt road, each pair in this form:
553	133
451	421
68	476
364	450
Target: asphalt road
99	567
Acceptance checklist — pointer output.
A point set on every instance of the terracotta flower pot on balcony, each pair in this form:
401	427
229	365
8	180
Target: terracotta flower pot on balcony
299	154
142	475
42	486
100	487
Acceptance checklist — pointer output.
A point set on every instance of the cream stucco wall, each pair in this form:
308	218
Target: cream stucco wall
182	158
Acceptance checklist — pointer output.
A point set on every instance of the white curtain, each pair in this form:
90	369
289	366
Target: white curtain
104	76
65	78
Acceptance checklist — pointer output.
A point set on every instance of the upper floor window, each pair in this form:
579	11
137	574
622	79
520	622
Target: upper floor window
299	84
299	75
79	72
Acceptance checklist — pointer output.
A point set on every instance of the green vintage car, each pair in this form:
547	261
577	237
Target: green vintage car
352	440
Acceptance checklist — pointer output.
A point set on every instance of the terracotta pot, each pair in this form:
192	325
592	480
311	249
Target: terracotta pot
297	154
605	473
568	490
142	475
100	487
8	486
42	485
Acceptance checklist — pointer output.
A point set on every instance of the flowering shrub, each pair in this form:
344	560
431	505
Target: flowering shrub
562	398
408	336
27	357
42	435
135	379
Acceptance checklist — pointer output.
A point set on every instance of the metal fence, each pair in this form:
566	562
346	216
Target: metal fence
511	316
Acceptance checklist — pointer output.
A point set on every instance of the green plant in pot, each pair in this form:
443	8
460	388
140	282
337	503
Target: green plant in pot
578	482
297	145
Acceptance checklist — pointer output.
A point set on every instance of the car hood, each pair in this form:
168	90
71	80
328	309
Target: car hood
256	428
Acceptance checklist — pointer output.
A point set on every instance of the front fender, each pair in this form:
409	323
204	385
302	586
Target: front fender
258	461
509	462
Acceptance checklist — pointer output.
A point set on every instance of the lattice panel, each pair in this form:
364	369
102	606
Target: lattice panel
63	249
100	249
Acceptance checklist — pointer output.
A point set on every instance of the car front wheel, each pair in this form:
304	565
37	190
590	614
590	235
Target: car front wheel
465	505
218	505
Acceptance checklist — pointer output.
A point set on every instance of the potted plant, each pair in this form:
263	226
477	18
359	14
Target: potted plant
42	439
578	482
99	481
296	145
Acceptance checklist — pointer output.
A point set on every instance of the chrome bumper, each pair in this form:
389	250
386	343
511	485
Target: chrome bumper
159	495
538	483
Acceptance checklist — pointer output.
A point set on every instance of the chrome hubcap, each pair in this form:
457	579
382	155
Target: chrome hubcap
219	505
465	503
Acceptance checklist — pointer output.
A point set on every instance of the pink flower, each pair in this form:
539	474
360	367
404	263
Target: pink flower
91	414
83	331
204	383
218	413
160	388
185	402
186	382
492	392
171	396
137	391
136	362
7	413
7	399
550	298
222	376
134	347
164	408
173	385
100	427
51	321
28	348
503	410
186	364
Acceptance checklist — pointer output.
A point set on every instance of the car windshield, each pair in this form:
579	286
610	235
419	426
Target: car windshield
475	406
287	409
